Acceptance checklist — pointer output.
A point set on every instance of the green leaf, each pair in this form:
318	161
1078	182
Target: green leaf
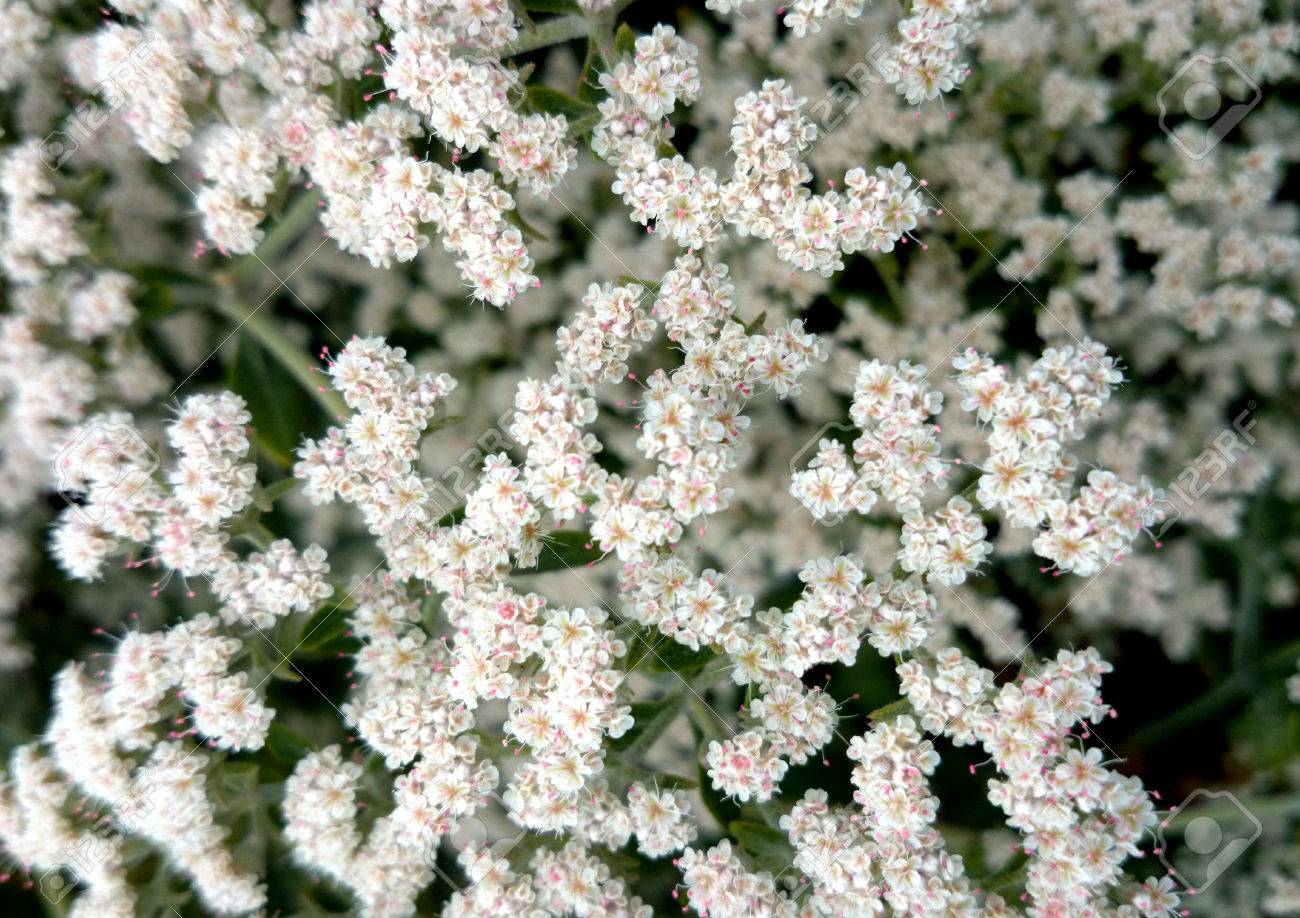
235	781
769	847
550	6
650	719
325	633
628	773
564	549
589	88
672	657
451	517
890	711
580	126
669	781
286	744
549	101
1013	875
154	300
627	280
167	275
236	790
446	421
515	219
624	41
280	408
265	497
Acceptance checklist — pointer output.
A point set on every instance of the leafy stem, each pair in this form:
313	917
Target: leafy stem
289	354
551	32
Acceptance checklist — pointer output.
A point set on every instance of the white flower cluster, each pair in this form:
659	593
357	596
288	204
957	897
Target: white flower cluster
1029	472
164	799
108	461
802	16
196	656
1080	819
923	64
443	68
38	232
238	167
691	424
379	197
44	390
719	884
151	78
38	835
387	867
65	337
401	704
1218	212
897	456
415	698
449	688
945	545
768	196
21	32
926	62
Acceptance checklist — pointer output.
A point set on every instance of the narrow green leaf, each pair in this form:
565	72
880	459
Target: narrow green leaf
549	101
890	711
650	720
236	780
564	549
286	744
515	219
672	657
624	41
769	847
446	421
265	497
326	631
589	88
627	280
281	410
1013	875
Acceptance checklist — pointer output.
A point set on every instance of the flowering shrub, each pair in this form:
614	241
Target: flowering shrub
604	458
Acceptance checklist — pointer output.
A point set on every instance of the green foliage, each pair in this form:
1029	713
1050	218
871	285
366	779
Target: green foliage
565	549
